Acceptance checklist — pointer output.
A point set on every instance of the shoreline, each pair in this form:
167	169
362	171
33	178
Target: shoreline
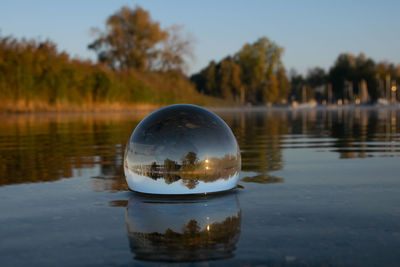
38	108
148	108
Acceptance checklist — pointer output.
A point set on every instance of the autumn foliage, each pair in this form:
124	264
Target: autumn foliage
139	64
254	75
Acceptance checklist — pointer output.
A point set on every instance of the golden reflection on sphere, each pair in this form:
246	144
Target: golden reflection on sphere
182	149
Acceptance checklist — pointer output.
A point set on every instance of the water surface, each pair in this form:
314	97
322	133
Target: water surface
317	187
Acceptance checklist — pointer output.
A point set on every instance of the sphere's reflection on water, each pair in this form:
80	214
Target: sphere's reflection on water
183	230
182	149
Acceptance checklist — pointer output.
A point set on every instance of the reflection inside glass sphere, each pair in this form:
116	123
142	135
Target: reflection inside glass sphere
182	149
179	230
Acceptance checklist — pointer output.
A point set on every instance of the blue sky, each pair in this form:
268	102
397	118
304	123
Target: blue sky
313	33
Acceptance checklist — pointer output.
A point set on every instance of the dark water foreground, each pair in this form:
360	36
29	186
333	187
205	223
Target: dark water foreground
318	188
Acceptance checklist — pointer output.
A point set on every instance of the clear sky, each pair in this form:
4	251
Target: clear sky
313	33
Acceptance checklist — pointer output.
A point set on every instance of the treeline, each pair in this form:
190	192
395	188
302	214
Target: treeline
255	75
139	63
350	79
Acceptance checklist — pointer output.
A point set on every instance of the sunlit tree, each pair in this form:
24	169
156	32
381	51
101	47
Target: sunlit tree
132	39
129	40
175	50
259	63
254	74
229	82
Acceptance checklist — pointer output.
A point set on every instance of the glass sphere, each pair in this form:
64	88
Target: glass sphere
182	149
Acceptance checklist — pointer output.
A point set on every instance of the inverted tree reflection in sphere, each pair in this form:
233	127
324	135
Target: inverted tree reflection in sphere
182	149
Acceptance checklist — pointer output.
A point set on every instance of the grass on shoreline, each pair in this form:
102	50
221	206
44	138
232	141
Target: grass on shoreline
36	77
21	106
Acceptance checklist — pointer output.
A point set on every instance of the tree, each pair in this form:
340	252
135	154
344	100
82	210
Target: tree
133	40
385	73
228	77
260	63
316	77
284	83
254	74
296	84
189	159
174	49
210	84
252	66
170	165
349	68
342	71
365	70
221	79
316	81
129	40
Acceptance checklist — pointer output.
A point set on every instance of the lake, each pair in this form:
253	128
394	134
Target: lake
317	187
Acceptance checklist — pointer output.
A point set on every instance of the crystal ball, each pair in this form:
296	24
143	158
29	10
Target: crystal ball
182	149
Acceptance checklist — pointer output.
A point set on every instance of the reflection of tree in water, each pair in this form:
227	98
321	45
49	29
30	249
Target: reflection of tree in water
263	135
352	130
191	183
259	135
49	148
217	240
112	177
36	149
263	179
118	203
